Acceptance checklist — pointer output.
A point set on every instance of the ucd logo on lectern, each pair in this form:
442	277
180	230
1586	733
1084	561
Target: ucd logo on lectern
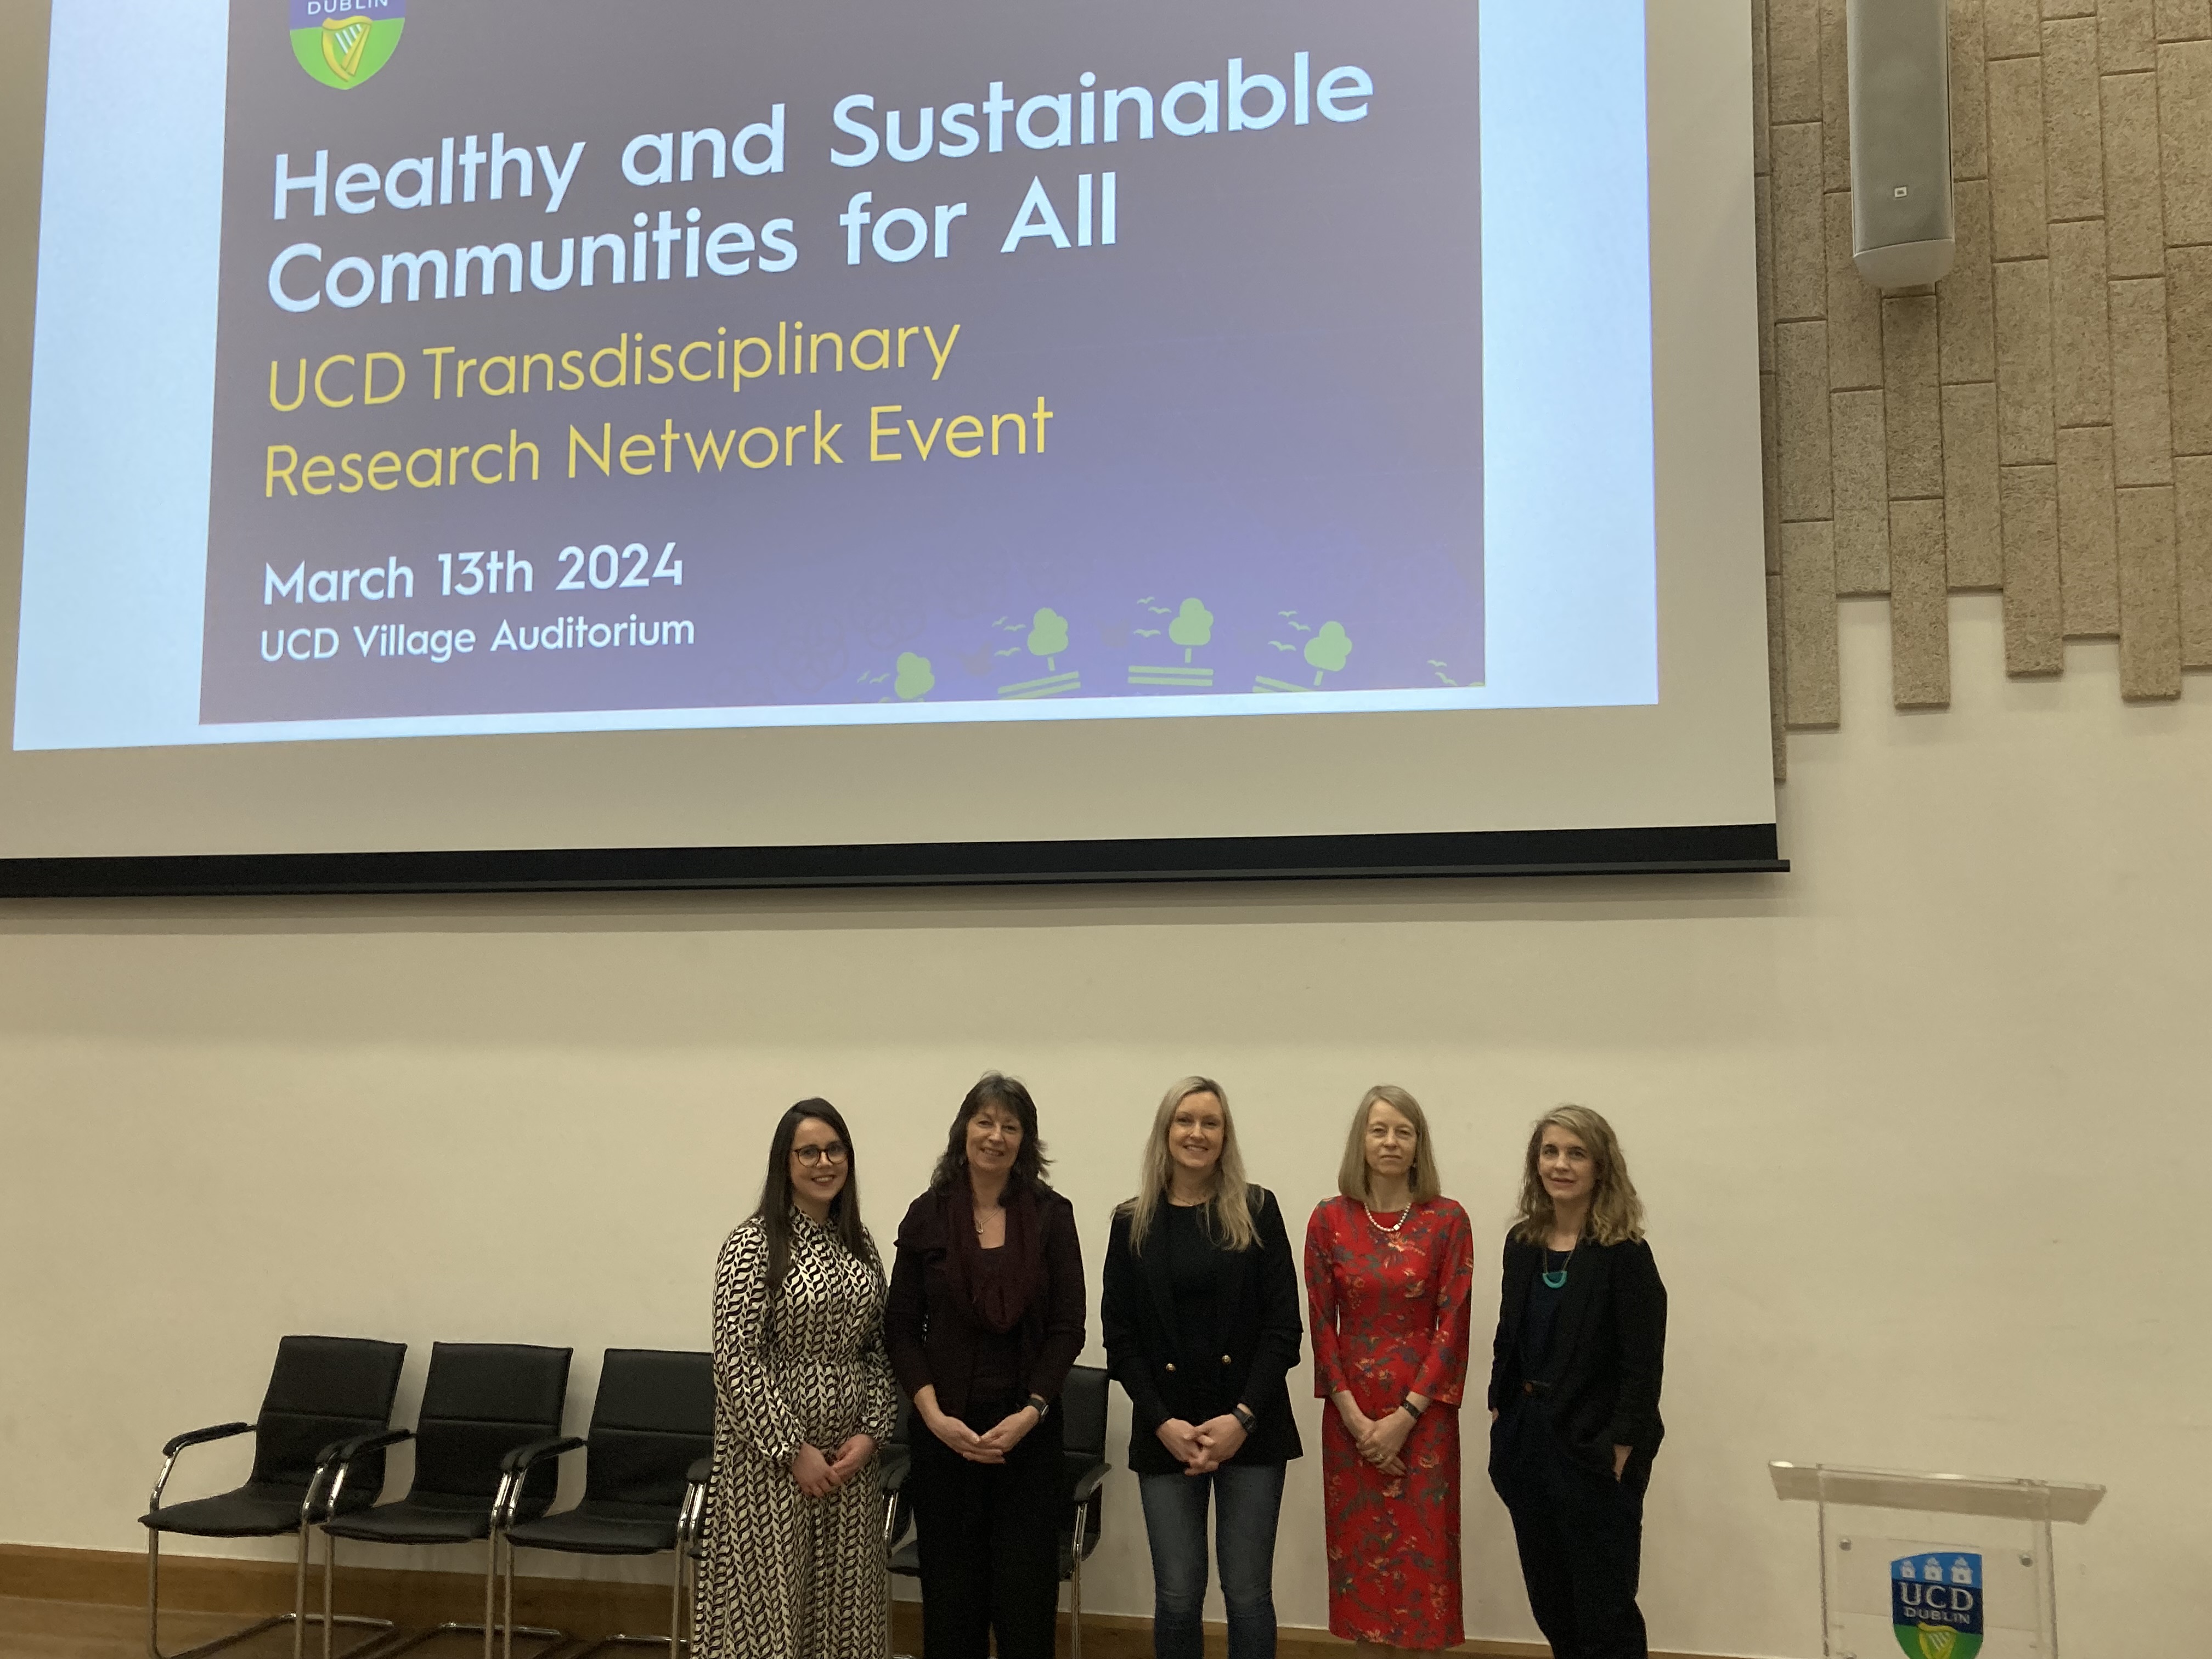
1936	1605
343	42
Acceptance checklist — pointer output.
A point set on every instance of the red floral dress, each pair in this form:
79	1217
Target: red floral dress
1390	1319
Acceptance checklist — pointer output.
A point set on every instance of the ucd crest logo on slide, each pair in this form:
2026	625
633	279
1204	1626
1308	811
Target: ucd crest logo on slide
1935	1604
343	42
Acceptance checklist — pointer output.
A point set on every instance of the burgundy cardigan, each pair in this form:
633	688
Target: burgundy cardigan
930	1330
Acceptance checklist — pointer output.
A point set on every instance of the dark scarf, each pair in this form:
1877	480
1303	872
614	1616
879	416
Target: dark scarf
999	1300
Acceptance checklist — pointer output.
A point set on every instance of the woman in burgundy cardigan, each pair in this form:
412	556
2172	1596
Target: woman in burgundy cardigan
985	1318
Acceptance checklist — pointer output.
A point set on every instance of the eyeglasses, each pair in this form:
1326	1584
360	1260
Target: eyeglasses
835	1152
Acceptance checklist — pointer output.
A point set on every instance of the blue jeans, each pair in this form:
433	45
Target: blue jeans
1250	1497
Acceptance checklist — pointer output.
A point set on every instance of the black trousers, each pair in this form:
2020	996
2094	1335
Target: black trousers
988	1535
1580	1533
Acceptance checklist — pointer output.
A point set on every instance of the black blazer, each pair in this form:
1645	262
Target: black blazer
1607	1350
931	1331
1261	1334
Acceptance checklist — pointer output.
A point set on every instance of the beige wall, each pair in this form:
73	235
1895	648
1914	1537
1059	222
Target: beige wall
1921	1126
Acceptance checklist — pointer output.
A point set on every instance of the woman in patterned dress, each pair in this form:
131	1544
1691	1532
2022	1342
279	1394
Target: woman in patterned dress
1389	1265
803	1396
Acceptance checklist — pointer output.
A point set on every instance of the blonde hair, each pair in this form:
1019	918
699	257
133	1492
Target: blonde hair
1228	1208
1616	1214
1421	1179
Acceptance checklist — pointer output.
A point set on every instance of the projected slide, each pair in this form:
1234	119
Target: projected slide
555	366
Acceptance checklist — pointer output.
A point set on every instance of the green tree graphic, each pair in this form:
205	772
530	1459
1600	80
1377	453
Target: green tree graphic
1326	650
1193	626
1047	636
914	676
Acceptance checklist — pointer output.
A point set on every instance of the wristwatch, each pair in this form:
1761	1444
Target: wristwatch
1244	1417
1411	1410
1041	1406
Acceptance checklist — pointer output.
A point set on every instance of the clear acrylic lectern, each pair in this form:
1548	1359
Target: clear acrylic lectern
1943	1567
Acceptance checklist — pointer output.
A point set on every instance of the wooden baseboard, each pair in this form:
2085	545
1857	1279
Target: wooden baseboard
586	1608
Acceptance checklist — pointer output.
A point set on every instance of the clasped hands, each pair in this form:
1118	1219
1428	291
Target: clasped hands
1379	1440
989	1447
819	1476
1202	1448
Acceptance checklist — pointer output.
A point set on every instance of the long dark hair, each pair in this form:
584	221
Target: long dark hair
995	1088
775	1212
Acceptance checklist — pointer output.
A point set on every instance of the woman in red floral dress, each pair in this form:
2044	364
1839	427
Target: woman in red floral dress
1389	1265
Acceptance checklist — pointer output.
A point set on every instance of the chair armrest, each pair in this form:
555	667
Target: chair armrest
201	1437
700	1472
519	1461
344	1452
1089	1480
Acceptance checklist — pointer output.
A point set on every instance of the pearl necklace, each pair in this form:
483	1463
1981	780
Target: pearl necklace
1404	1216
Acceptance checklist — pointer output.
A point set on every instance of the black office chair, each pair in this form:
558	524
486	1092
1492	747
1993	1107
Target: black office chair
1083	1471
480	1401
327	1395
652	1424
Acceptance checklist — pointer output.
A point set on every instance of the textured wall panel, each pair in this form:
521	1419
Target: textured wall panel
2192	542
2018	217
2127	35
1968	327
1913	411
1853	308
1763	241
2023	311
2072	134
2150	617
1801	356
1835	94
2189	347
1793	60
1801	234
1770	435
2034	642
2184	120
1809	624
1762	110
2013	28
1970	92
1919	622
2080	339
1862	493
2185	20
2134	233
2069	8
2088	555
1973	533
2143	419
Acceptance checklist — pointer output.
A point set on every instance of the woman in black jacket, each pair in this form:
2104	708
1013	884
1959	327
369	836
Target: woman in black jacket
985	1317
1201	1319
1574	1386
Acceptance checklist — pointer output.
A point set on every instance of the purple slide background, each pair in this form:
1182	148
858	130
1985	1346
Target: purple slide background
1266	395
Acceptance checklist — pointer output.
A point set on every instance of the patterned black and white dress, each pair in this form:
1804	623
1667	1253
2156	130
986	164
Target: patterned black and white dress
784	1575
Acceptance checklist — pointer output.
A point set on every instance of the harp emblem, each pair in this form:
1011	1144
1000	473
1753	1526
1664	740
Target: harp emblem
342	43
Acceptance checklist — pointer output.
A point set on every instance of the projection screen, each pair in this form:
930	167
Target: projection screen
534	442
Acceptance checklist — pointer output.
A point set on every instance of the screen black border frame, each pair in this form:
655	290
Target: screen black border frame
1700	849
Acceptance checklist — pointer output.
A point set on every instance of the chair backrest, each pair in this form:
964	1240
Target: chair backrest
324	1389
1083	1414
653	1418
480	1402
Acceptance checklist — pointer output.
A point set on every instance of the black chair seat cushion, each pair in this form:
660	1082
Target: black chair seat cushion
907	1558
601	1528
261	1508
423	1518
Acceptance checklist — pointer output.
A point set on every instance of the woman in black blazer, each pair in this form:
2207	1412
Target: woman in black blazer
1574	1386
1201	1319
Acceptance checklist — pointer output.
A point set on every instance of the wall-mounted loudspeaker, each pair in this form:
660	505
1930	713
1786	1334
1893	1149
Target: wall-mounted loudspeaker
1902	230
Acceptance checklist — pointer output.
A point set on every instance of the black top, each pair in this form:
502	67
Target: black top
933	1335
996	1378
1538	1316
1240	1349
1600	1382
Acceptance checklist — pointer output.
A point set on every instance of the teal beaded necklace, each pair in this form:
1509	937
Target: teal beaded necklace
1556	1278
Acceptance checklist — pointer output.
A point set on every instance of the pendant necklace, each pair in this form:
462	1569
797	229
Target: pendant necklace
1404	1216
1556	1280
